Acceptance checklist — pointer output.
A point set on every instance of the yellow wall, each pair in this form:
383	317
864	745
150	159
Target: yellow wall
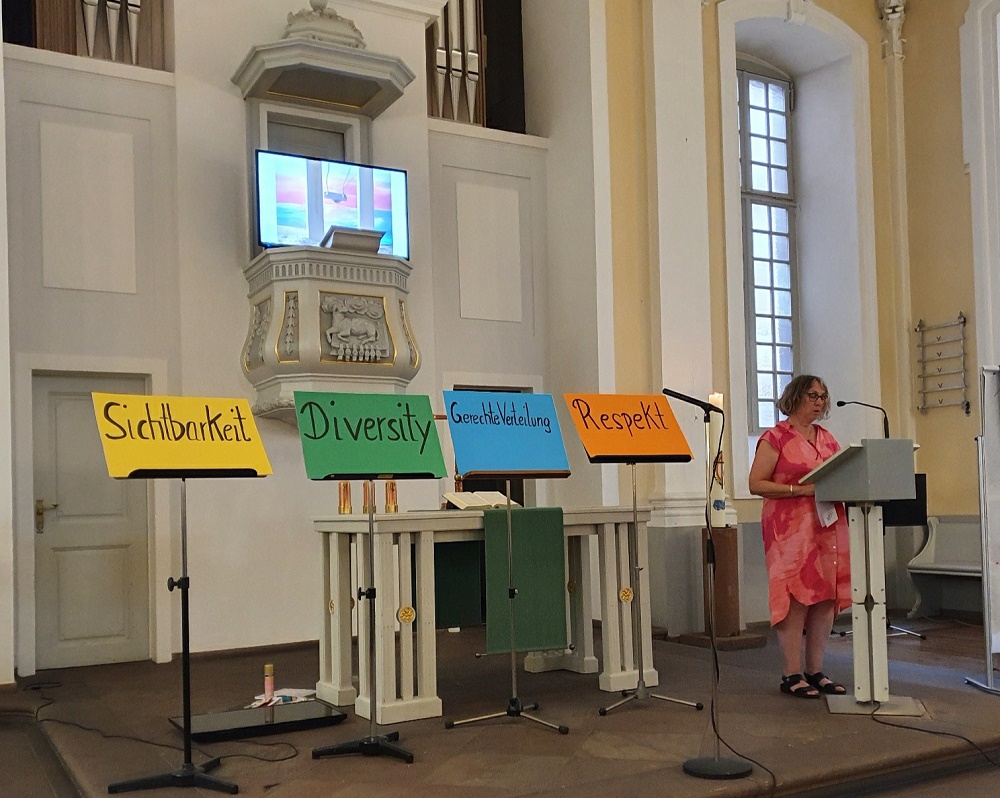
941	237
940	246
631	217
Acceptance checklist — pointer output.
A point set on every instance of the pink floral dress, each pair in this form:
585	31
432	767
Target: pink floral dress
804	559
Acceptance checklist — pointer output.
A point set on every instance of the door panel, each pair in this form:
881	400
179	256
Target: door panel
91	552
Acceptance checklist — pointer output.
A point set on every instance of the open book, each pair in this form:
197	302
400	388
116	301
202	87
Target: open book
479	499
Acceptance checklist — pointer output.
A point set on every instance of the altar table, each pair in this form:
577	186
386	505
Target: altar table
404	612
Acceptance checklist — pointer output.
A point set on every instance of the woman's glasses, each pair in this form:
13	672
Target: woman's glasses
812	396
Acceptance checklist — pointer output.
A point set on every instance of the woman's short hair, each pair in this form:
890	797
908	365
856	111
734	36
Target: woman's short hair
796	391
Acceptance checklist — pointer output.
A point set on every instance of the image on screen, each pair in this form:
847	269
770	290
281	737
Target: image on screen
299	199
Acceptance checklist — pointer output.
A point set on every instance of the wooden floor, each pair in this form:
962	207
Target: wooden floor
109	724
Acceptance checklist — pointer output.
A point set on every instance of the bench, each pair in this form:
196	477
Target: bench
953	549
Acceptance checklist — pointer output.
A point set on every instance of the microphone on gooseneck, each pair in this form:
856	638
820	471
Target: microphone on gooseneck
708	407
885	416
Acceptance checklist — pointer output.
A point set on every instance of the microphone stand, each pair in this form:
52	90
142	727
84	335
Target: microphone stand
716	766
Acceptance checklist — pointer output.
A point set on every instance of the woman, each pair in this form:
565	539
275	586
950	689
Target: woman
808	565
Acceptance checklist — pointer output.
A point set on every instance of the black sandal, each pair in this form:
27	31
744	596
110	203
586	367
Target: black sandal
830	687
806	690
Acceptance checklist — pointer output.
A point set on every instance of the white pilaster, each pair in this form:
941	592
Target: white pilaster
681	315
891	12
981	134
6	442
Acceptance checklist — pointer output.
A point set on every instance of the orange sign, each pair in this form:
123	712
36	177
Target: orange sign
620	428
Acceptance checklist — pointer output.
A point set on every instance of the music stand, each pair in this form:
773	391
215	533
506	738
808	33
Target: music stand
656	438
331	455
512	443
238	452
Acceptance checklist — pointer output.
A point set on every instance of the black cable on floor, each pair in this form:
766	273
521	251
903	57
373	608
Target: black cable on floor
879	720
108	736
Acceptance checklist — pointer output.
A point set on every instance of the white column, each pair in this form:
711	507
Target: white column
891	13
682	311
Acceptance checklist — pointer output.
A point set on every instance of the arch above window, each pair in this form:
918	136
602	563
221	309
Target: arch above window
835	200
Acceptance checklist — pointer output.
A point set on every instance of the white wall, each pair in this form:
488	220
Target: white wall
253	554
86	312
831	284
566	102
682	310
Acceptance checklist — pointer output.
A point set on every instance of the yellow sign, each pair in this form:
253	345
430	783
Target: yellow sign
178	436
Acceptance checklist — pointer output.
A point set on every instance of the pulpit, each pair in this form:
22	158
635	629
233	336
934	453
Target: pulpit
860	475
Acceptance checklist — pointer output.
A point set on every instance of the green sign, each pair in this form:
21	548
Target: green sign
368	436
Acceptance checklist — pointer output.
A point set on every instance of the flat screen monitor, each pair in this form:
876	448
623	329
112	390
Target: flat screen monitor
299	199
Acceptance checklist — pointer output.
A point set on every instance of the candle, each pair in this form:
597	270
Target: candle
718	492
391	497
345	498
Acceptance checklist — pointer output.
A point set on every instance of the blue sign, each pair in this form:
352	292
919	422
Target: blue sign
505	434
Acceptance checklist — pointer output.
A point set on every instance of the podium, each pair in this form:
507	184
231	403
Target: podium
877	469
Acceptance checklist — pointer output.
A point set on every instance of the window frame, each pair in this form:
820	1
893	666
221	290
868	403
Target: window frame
771	199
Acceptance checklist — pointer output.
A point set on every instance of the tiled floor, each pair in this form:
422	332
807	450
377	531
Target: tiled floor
638	749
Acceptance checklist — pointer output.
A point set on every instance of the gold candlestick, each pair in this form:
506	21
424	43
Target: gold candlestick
391	497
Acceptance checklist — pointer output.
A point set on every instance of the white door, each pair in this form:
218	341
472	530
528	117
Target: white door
91	564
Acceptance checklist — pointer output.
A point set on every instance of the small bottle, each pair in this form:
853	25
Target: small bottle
268	682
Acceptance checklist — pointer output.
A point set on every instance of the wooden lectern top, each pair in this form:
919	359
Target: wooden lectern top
877	469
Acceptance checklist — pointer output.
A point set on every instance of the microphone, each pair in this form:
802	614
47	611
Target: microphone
885	416
708	407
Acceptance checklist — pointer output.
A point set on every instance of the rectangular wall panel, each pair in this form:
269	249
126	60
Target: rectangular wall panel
489	252
88	208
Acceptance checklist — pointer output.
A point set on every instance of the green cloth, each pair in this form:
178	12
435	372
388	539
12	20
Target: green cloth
539	576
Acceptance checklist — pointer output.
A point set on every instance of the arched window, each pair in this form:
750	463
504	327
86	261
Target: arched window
808	247
769	261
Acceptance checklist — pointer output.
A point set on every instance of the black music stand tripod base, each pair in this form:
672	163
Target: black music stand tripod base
187	776
378	745
374	744
707	767
642	693
514	710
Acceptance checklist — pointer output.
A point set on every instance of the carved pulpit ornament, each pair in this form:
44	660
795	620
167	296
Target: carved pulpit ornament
325	320
324	24
892	13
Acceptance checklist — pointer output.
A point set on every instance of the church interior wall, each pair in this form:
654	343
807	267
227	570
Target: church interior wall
563	106
598	258
941	242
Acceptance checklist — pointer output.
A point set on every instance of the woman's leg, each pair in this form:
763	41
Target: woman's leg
789	632
818	626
